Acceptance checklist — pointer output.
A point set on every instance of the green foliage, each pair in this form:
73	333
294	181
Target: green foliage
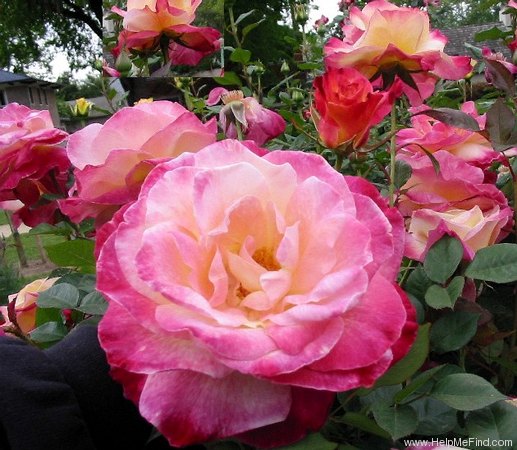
407	366
77	253
453	331
443	259
495	422
9	282
466	392
497	263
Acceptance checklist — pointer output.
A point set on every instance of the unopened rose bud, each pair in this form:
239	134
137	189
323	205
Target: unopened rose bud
297	96
300	13
97	65
123	62
81	108
285	69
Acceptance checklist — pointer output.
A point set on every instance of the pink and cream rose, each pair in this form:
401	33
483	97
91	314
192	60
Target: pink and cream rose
28	147
374	44
258	124
262	282
346	107
25	304
430	135
112	160
32	163
455	201
145	21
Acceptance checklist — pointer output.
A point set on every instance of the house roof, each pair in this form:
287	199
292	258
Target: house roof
9	78
457	37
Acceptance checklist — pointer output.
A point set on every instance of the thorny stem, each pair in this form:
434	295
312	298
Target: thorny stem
339	162
393	150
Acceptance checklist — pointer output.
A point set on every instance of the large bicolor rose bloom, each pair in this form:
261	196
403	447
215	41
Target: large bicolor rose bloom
454	201
145	21
346	107
113	159
245	290
384	38
257	123
431	135
32	163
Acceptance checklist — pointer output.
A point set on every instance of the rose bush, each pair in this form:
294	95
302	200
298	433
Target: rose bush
266	278
454	201
110	164
346	107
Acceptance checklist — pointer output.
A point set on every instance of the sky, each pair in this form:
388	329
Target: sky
326	7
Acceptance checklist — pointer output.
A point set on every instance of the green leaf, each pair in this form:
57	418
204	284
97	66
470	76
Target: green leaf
466	392
497	263
61	295
452	117
500	76
93	303
78	253
434	417
501	124
408	365
248	28
443	258
44	315
493	34
49	332
418	283
309	66
418	382
496	422
455	288
364	423
243	16
476	51
398	421
376	397
438	297
403	173
311	442
240	55
62	228
453	331
229	79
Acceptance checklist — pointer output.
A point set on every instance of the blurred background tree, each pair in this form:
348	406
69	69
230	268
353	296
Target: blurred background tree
34	30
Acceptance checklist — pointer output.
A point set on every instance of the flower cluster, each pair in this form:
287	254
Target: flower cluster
374	45
147	24
32	164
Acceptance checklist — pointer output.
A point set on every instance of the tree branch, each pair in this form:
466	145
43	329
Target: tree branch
77	13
